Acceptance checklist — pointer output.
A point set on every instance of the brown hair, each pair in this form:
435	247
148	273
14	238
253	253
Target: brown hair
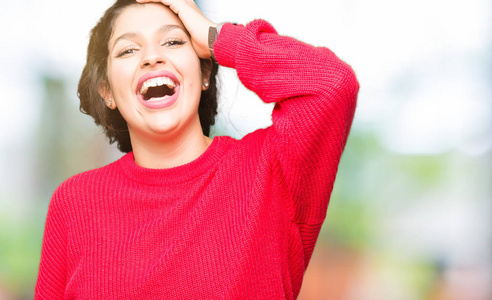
95	74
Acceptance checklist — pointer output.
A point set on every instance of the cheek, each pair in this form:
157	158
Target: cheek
120	74
188	64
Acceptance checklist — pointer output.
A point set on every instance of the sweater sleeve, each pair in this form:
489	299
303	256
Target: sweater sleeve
315	95
52	268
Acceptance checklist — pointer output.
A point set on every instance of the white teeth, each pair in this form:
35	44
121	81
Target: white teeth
157	81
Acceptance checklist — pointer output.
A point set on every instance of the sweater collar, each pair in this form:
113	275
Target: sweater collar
189	171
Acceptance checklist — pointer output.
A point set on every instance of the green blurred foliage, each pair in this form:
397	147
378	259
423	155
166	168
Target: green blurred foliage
20	242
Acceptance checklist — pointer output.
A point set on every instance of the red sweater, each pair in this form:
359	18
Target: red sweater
239	222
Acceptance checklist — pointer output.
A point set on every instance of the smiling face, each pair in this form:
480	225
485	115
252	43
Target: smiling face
154	74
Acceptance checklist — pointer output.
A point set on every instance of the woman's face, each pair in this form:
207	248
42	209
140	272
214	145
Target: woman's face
154	74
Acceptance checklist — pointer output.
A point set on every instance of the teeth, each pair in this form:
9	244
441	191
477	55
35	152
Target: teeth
157	81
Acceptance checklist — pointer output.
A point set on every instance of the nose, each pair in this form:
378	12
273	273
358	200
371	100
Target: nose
152	57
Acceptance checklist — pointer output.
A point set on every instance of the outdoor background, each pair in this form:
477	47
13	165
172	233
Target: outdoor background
410	216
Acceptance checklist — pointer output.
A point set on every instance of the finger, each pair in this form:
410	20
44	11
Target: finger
165	2
175	6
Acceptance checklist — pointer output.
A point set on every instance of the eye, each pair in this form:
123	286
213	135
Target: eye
127	51
174	42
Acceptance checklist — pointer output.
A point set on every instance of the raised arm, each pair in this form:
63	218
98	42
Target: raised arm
315	95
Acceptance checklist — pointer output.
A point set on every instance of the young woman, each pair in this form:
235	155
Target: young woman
182	216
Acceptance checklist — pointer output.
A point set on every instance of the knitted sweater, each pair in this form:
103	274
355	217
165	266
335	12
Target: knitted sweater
240	221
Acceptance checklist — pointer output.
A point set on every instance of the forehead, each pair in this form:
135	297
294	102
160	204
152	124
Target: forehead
141	18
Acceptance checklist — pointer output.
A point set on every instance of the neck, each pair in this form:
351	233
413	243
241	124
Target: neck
169	152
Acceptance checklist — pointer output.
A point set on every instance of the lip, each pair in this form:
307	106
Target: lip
164	101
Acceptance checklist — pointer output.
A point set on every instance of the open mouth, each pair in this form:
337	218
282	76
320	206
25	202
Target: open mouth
155	89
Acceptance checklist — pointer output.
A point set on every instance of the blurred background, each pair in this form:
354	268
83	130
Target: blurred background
410	216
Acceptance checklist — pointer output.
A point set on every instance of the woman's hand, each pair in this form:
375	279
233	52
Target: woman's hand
194	21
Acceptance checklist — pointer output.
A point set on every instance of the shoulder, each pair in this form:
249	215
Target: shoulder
252	149
250	143
85	182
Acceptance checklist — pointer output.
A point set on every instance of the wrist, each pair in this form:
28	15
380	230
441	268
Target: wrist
213	34
226	46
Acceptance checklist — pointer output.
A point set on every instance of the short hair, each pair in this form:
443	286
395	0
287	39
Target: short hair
94	75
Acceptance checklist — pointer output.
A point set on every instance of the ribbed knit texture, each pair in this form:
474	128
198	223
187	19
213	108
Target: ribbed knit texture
239	222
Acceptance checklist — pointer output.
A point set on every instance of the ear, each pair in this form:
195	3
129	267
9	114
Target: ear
206	65
105	93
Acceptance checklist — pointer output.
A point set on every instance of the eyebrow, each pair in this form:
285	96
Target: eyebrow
162	29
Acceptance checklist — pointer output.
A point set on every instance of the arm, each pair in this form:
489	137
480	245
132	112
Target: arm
315	95
52	269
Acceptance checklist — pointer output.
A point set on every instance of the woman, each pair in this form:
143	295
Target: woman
182	216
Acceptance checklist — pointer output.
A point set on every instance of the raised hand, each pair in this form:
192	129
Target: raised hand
194	21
